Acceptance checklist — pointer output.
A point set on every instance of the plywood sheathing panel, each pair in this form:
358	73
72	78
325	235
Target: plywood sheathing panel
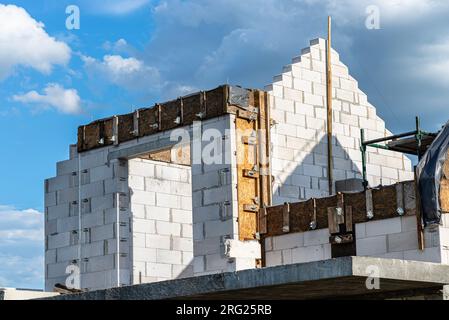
444	187
253	179
247	188
301	213
160	155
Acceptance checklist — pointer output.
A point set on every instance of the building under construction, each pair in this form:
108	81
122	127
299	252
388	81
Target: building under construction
295	191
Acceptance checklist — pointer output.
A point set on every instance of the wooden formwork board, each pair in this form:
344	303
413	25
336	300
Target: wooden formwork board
160	117
384	203
444	187
253	179
247	187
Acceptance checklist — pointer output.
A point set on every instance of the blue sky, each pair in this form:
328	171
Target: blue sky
133	53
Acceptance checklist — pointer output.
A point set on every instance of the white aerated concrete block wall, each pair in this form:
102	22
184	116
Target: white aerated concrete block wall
161	210
299	152
397	238
87	218
297	247
215	207
394	238
82	204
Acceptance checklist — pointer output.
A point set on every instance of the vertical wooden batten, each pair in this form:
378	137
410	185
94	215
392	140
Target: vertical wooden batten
329	105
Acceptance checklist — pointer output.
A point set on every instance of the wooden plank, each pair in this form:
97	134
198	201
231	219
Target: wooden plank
263	221
286	218
329	105
348	219
419	219
332	220
400	210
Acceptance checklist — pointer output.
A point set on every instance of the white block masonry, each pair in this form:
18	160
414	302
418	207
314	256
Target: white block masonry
215	207
82	204
161	210
394	238
88	221
141	211
299	143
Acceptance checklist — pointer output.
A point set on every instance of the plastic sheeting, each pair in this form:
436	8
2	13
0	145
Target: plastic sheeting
429	171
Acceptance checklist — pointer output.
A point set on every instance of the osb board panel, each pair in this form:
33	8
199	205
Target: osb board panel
125	127
321	210
94	132
181	155
169	112
384	202
147	118
91	135
301	214
247	188
192	105
160	155
444	187
274	220
444	195
357	201
215	102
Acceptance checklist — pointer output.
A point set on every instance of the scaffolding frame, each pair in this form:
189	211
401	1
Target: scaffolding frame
413	142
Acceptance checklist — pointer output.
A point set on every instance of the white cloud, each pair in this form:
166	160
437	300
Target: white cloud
20	225
54	96
21	247
21	272
24	42
430	62
130	73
